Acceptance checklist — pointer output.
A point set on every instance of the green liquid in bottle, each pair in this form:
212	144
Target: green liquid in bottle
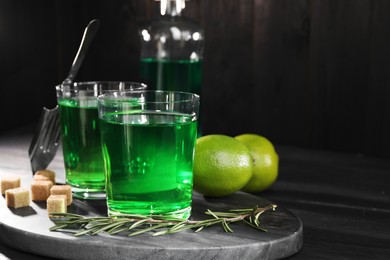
178	75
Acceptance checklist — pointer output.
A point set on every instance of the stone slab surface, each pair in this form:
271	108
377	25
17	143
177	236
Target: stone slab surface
27	229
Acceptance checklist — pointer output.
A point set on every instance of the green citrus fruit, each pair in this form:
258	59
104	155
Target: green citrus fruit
222	165
265	162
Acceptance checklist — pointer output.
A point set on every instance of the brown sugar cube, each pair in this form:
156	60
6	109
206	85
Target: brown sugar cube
56	204
62	190
43	175
40	190
9	182
17	198
41	178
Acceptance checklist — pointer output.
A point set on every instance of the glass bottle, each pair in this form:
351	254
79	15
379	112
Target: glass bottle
172	50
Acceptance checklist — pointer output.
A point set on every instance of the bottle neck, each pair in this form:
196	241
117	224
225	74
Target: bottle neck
172	7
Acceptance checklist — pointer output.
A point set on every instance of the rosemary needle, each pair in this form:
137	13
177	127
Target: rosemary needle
160	225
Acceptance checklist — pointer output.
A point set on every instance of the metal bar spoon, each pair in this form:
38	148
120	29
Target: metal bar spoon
45	141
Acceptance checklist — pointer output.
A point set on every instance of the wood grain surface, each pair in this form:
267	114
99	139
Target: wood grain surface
312	74
342	199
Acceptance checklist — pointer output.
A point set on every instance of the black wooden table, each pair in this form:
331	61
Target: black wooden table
342	199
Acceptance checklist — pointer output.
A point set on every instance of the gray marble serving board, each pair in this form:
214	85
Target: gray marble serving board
27	229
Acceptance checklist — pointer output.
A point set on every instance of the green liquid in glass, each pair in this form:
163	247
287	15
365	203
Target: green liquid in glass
178	75
148	159
81	145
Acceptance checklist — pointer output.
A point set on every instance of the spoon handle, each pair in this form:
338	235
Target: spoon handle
88	35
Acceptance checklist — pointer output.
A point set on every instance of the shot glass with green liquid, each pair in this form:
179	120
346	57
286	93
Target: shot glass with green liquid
148	141
80	132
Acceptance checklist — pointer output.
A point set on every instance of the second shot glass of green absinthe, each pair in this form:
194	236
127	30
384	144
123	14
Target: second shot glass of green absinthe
80	131
148	141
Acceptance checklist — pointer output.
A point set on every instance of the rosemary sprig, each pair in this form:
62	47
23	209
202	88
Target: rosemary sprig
160	225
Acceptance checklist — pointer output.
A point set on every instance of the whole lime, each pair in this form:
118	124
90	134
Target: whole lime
265	162
222	165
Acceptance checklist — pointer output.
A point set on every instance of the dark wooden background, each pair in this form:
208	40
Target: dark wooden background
311	73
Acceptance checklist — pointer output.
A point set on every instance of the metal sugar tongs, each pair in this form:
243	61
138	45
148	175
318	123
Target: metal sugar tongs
46	138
